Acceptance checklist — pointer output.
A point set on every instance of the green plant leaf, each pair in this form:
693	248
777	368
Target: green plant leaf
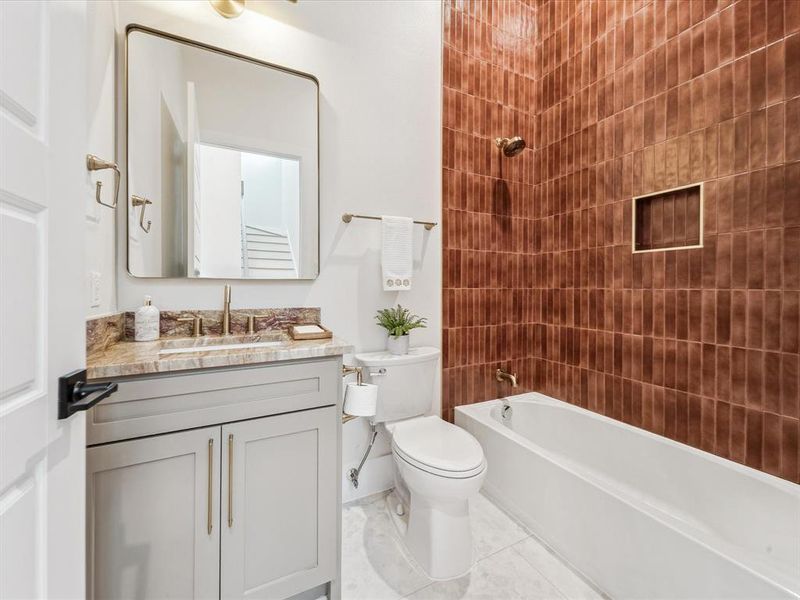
398	321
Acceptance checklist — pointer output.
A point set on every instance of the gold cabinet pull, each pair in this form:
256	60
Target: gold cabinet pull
230	480
210	524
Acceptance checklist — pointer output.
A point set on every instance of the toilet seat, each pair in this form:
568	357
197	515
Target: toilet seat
438	447
439	472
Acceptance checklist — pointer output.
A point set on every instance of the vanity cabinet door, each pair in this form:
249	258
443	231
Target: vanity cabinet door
279	504
153	507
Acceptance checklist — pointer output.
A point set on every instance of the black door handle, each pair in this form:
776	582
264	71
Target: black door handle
74	394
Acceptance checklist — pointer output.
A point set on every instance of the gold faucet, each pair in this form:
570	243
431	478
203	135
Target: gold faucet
501	375
226	310
197	324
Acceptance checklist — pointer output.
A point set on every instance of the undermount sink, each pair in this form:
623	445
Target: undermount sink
222	346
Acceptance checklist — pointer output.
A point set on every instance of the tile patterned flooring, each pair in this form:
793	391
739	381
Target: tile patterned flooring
510	563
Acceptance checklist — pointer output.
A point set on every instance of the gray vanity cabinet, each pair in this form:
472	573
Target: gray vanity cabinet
279	504
150	503
244	506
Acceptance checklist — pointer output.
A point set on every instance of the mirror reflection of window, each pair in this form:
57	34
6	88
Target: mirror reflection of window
226	149
249	214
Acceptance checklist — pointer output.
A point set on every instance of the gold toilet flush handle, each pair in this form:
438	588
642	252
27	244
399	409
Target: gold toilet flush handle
143	202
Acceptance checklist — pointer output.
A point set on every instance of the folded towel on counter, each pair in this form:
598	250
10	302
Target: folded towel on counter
396	253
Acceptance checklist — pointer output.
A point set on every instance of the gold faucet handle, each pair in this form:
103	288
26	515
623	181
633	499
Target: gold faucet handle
197	324
251	322
226	310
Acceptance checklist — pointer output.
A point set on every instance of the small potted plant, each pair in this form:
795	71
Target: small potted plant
398	322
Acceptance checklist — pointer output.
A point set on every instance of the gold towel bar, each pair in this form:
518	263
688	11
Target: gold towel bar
347	217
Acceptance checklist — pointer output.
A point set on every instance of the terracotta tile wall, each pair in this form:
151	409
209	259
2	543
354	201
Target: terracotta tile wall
618	99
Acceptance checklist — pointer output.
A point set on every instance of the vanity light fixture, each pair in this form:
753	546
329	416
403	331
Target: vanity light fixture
230	9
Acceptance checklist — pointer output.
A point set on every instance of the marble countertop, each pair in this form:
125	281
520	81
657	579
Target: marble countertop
126	358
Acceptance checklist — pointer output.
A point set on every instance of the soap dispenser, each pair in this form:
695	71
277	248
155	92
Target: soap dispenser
146	322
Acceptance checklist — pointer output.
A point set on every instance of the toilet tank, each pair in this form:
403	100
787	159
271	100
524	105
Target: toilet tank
405	383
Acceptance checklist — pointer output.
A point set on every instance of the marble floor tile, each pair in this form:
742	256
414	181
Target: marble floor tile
374	564
492	529
504	575
510	565
557	573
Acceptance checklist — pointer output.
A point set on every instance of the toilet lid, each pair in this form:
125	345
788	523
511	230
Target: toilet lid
435	443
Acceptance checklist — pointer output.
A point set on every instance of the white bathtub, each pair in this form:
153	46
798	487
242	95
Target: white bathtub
639	515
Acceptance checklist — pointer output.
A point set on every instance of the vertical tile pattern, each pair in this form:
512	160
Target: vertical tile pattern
618	99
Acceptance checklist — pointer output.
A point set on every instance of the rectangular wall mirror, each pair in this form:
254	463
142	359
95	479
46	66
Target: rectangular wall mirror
223	174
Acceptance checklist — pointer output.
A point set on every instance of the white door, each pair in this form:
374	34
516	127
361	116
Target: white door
42	326
279	509
154	517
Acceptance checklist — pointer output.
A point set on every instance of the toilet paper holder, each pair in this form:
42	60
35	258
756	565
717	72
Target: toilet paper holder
353	473
348	370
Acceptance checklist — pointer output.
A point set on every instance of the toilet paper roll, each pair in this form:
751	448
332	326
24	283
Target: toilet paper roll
360	400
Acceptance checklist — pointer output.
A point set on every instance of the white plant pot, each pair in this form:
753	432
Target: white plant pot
397	344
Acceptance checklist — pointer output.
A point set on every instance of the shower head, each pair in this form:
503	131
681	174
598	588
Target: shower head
510	146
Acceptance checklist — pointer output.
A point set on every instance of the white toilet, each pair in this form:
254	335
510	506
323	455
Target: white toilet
438	466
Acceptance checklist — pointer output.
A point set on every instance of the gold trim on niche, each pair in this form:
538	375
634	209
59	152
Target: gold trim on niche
699	184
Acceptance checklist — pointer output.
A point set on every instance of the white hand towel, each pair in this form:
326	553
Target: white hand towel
396	252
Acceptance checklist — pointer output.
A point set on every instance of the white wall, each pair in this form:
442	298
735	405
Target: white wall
194	213
290	193
220	209
100	221
262	203
379	69
154	90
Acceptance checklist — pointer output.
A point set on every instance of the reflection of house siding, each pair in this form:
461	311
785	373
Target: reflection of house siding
270	205
272	194
267	254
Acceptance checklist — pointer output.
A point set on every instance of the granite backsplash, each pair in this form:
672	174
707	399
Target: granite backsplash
102	332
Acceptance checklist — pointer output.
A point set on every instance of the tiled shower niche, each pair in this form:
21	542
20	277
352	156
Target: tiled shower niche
668	220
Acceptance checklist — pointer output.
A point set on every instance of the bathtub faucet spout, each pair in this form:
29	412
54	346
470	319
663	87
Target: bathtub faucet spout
506	412
501	375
